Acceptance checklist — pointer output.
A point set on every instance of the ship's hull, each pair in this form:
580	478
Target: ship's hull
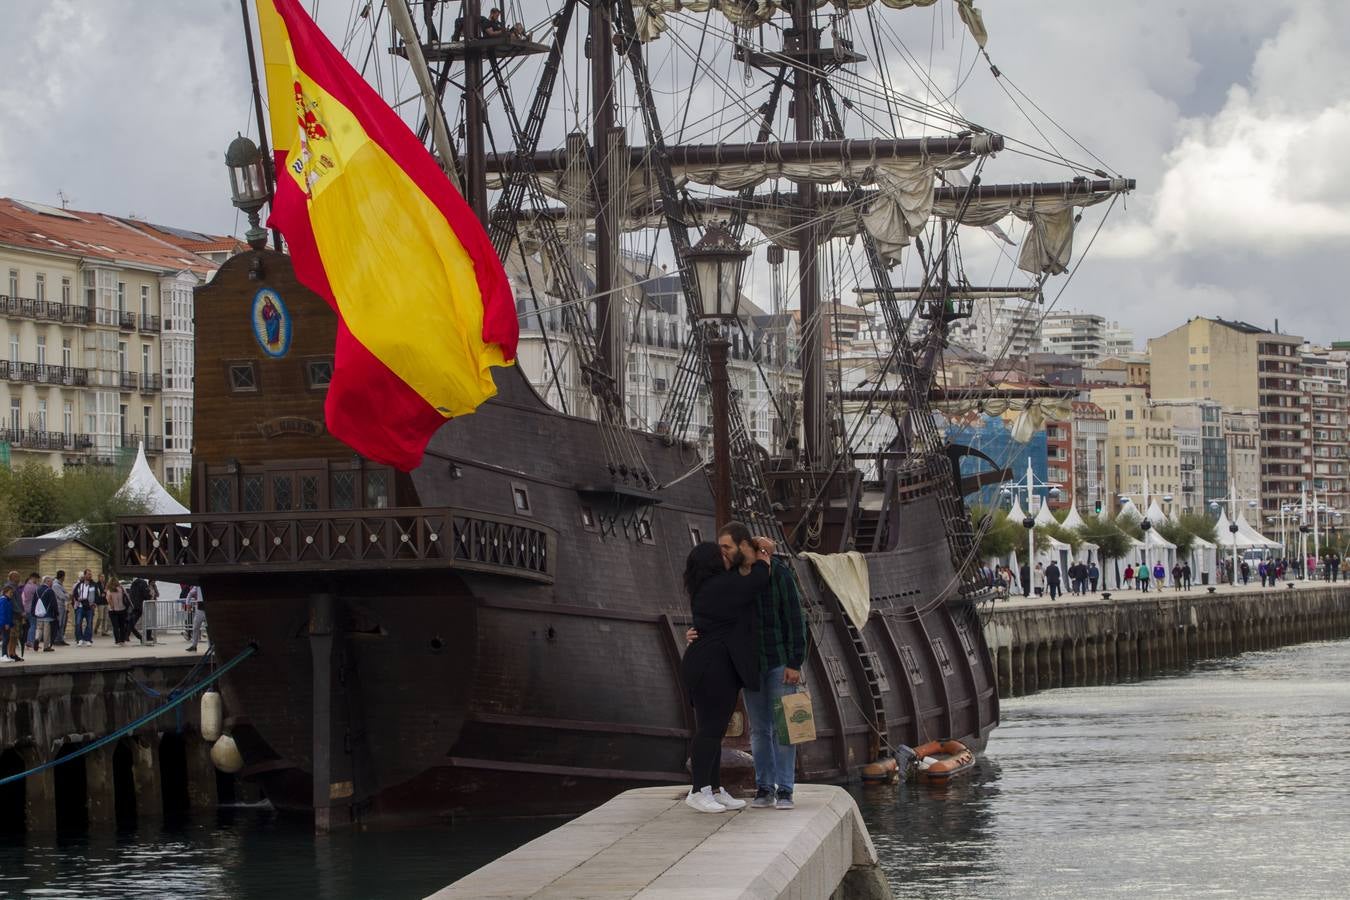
504	636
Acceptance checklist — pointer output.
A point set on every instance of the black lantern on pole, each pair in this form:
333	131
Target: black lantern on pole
248	186
716	261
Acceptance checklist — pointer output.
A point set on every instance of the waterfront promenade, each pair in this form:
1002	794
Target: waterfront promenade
647	844
104	655
1039	643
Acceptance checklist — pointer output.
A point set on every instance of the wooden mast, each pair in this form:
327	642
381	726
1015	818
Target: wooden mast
815	441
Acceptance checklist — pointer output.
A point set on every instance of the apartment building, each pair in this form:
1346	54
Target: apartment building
1323	386
1141	447
1079	335
1241	429
762	362
1203	451
98	323
1243	366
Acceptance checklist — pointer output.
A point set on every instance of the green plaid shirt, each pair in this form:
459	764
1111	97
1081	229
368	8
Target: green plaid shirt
782	627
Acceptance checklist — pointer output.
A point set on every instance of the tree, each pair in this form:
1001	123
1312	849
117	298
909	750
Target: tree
1112	541
1004	535
1200	525
34	498
182	493
1063	535
1179	535
90	498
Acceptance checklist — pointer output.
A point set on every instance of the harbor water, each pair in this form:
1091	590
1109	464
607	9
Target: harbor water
1232	780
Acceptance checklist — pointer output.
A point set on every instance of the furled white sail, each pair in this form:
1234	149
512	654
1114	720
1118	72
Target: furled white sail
651	15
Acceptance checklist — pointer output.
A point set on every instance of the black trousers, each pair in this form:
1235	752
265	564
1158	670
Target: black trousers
119	625
714	699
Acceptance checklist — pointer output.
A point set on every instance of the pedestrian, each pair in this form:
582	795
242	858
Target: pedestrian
84	596
197	608
138	592
1176	576
1261	572
6	622
1052	579
1186	575
65	604
101	602
29	597
723	583
1129	576
1159	575
117	611
1246	571
47	609
19	622
1141	575
1335	567
1024	577
1094	575
1040	579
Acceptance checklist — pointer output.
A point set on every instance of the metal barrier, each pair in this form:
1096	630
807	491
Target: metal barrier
166	618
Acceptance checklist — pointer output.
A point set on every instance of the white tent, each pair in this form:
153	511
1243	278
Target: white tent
1243	539
1156	515
1257	539
1045	517
1074	520
1204	557
1129	511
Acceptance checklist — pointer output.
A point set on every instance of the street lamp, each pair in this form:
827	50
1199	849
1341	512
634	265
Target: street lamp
248	185
716	261
1028	520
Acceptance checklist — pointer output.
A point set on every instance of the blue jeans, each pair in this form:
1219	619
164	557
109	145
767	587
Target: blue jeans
84	624
775	763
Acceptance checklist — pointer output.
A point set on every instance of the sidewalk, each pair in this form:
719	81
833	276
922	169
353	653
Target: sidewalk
105	654
1154	593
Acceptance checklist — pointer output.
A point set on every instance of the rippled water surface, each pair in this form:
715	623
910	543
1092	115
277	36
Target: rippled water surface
1230	781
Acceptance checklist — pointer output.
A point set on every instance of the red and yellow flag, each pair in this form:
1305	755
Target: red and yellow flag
375	228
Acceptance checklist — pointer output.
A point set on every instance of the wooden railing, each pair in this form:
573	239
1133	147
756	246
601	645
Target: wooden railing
180	547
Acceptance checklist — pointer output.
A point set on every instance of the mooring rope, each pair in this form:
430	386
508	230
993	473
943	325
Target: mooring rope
148	717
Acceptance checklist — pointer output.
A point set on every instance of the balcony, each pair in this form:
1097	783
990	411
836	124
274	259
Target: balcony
154	443
129	381
184	547
148	324
53	441
151	382
126	320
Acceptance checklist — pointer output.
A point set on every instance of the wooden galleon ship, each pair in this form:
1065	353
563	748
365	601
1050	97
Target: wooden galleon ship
500	630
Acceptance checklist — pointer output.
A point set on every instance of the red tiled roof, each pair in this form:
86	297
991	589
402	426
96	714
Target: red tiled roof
96	236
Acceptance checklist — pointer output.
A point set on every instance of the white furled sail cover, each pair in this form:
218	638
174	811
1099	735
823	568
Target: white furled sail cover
651	14
846	575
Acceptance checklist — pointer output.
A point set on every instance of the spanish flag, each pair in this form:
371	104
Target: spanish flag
376	229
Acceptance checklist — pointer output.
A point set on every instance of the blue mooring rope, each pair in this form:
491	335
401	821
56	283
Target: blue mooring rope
148	717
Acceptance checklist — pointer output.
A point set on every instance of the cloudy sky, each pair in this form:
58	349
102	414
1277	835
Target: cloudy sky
1234	116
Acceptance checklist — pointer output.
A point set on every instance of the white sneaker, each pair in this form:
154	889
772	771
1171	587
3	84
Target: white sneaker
727	800
5	658
703	801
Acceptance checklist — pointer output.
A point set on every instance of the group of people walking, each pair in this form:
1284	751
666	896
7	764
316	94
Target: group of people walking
748	635
40	613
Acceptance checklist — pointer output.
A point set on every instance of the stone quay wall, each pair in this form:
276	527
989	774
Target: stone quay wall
48	711
1075	642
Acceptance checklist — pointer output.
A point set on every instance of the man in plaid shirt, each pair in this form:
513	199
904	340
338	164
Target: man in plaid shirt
781	631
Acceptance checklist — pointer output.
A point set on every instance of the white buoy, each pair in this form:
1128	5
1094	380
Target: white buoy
225	755
212	715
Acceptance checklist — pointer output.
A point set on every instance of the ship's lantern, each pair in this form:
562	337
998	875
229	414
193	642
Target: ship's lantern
717	261
248	185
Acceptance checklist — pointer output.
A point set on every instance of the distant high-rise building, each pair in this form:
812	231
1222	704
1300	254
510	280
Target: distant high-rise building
1243	366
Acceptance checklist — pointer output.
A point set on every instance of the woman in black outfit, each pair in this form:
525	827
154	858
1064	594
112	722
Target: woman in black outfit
722	661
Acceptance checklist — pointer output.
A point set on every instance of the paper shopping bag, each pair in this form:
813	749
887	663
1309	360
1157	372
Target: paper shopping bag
794	720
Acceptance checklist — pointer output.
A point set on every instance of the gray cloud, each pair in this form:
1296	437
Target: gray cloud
1231	113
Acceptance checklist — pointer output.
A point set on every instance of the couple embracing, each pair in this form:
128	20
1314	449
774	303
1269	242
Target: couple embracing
748	634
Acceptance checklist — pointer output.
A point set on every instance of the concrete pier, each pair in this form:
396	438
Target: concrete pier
647	844
1039	644
54	703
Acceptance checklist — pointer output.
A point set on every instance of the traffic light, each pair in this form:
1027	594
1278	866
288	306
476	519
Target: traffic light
1097	507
